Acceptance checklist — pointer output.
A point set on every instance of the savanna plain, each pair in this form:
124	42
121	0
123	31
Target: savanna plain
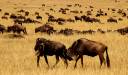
17	55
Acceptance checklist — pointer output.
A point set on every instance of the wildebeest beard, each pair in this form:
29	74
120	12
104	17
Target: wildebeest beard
72	54
39	49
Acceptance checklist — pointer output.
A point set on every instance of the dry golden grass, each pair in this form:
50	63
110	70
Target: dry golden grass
17	56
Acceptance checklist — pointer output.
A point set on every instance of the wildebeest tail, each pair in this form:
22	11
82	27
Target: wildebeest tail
107	58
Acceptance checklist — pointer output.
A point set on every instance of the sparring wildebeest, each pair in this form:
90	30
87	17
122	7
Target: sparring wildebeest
2	28
46	48
88	47
17	28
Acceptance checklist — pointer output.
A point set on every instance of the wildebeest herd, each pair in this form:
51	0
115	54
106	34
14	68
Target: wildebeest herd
90	15
80	47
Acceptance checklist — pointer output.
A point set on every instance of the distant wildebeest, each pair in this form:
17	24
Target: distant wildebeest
4	17
46	48
101	31
2	28
17	28
91	48
13	16
89	13
6	13
112	20
74	11
26	13
70	20
43	5
88	31
0	10
21	11
39	17
51	19
66	31
122	31
78	18
86	18
45	28
36	13
60	21
69	5
120	19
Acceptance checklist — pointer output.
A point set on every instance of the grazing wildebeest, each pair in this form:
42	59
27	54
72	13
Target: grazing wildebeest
17	28
112	20
26	13
45	28
46	48
78	18
66	32
91	48
13	16
4	17
70	20
0	10
88	31
2	28
89	13
39	17
122	31
21	11
51	19
6	13
101	31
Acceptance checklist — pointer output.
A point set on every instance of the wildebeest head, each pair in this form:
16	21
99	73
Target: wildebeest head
71	50
39	43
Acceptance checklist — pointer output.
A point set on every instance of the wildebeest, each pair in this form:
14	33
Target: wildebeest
88	31
0	10
112	20
17	28
4	17
46	48
2	28
26	13
39	17
66	31
78	18
6	13
101	31
45	28
70	20
91	48
13	16
122	31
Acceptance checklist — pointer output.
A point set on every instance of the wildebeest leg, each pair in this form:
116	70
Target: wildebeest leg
82	61
46	60
57	60
101	59
65	61
38	59
76	61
